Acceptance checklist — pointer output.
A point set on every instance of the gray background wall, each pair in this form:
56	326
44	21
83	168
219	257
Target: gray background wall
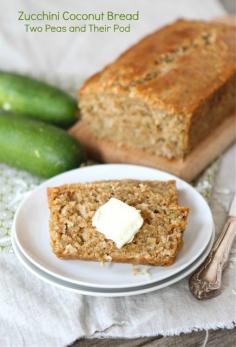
230	5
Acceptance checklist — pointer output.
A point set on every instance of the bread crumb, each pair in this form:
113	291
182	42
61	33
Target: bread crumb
141	270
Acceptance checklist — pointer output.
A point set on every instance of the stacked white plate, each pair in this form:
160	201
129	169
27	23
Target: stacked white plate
31	242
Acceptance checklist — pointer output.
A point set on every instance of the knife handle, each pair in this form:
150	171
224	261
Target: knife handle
206	281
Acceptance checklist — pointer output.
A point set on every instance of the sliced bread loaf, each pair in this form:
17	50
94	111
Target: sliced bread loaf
157	242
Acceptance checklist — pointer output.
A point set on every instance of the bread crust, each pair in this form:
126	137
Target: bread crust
198	74
186	70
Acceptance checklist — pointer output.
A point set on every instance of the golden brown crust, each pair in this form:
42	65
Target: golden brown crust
118	259
186	70
203	54
157	242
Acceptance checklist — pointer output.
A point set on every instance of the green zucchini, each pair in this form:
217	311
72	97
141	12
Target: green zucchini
24	95
37	147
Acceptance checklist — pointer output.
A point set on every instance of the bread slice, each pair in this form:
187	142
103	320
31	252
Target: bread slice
157	242
166	190
167	93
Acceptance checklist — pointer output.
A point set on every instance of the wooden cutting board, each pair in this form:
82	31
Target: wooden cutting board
188	168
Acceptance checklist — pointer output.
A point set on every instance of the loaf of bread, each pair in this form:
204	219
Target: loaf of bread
157	242
166	93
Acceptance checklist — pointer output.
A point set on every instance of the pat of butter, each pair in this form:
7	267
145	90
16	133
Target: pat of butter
118	221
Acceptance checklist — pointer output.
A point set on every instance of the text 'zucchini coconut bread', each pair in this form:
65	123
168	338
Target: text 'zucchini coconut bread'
128	221
167	93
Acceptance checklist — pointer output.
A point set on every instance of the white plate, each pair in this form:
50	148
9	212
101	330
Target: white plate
32	234
72	287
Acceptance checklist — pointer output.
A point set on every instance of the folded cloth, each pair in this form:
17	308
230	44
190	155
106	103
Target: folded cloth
33	313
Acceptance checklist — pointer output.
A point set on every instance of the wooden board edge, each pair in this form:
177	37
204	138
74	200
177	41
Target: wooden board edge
188	169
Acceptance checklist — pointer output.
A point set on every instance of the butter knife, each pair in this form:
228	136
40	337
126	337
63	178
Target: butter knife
206	281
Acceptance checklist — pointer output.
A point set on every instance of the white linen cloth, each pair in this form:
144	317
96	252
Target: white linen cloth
33	313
